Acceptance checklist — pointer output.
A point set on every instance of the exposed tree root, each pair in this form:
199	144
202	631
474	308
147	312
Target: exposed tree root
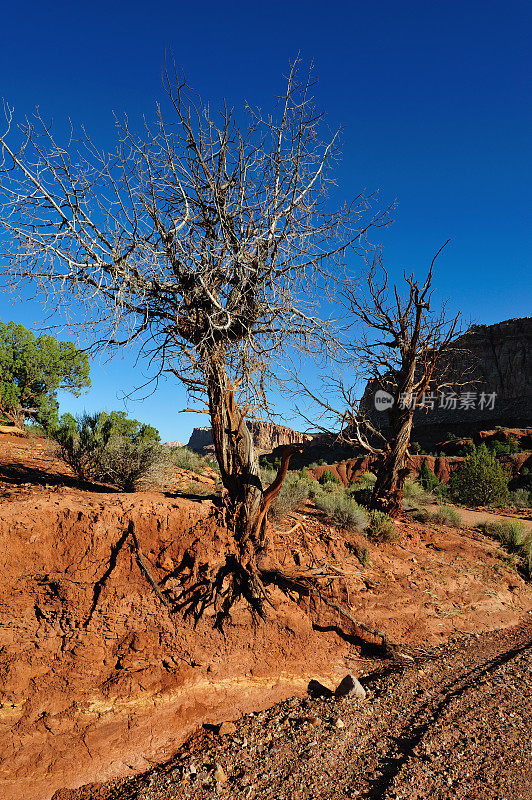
227	584
305	585
115	550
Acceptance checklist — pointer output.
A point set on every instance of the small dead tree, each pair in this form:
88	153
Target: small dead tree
404	352
201	237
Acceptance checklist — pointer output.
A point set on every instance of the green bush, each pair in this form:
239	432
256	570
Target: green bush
329	477
106	447
119	424
481	481
427	478
504	448
342	509
82	441
381	527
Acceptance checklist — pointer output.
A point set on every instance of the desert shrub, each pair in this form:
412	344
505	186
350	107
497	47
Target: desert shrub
362	490
441	491
359	551
514	537
201	489
521	498
184	458
381	527
368	480
133	465
415	493
421	514
361	495
267	475
446	515
342	509
294	492
82	441
509	532
329	477
480	481
106	447
427	478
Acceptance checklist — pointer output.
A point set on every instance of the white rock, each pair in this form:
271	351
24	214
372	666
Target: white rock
350	687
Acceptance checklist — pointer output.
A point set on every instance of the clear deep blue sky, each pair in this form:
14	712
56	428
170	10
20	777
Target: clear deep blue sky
434	98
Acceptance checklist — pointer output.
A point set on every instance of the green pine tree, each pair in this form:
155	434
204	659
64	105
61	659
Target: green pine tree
33	369
481	481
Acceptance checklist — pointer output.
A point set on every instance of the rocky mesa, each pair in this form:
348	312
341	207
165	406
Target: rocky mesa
490	359
266	437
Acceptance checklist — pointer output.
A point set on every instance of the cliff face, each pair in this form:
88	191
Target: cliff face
494	360
266	437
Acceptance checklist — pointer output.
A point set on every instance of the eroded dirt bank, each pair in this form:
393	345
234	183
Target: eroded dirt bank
455	725
99	679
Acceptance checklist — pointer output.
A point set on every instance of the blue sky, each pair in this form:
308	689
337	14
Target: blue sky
434	99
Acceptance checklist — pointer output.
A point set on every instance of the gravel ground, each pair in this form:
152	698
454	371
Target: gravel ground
456	723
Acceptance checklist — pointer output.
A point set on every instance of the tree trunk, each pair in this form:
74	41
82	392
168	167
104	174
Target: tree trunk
391	473
239	465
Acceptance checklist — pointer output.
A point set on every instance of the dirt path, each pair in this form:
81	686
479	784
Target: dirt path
457	724
472	518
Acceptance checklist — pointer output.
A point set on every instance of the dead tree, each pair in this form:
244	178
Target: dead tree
201	237
403	347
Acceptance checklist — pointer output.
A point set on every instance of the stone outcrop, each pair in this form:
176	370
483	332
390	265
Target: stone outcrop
266	437
493	359
353	469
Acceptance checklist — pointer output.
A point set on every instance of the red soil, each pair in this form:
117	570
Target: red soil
98	684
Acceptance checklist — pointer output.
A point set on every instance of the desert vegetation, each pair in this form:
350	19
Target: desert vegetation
481	481
514	538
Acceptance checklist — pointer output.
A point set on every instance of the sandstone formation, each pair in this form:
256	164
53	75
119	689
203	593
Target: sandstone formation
266	437
443	467
491	359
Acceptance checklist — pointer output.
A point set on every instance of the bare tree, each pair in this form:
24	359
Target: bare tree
404	351
203	239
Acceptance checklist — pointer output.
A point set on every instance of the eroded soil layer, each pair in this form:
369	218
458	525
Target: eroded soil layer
99	679
454	726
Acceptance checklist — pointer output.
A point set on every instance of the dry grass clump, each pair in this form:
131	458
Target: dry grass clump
294	491
381	527
445	515
514	537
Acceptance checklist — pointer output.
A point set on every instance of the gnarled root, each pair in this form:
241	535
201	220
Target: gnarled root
229	583
305	585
